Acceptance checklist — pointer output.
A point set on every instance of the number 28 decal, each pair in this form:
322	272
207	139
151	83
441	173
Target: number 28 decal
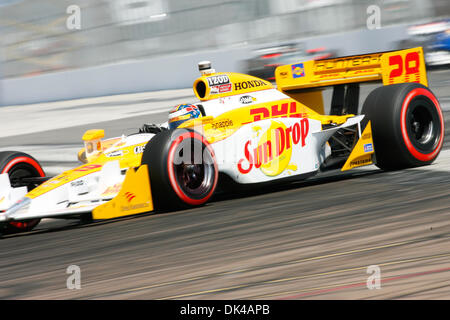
405	67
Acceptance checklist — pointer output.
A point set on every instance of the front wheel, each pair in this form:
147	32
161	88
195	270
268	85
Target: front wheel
407	125
182	168
19	165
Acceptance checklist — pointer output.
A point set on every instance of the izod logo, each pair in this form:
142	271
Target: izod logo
218	80
272	154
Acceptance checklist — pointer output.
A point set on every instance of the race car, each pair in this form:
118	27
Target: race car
267	59
244	130
434	38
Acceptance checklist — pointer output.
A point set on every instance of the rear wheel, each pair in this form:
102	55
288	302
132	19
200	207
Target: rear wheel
19	165
182	168
407	125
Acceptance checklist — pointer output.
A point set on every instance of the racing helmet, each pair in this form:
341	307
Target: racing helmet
181	113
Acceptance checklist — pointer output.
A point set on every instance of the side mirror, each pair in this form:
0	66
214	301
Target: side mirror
93	142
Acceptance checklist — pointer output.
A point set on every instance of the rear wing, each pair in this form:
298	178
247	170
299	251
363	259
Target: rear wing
387	67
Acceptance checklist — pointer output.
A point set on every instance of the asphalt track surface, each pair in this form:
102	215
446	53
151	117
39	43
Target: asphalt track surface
313	239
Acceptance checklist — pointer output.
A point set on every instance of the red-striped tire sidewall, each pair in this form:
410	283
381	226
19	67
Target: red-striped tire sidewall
23	225
27	160
171	173
413	151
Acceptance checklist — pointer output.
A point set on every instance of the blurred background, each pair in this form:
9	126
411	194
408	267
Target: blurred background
124	46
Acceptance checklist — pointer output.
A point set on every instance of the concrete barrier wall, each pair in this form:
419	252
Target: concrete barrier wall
170	72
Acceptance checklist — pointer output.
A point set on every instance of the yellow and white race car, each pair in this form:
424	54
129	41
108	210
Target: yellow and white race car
242	129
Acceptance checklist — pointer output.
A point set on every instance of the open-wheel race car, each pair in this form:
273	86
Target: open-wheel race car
245	130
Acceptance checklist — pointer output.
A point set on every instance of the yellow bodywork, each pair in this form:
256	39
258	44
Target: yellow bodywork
134	197
93	134
363	151
235	83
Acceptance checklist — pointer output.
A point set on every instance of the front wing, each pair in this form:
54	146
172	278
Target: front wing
134	197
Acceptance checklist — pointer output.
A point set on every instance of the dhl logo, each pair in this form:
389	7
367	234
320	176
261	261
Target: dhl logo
273	152
287	109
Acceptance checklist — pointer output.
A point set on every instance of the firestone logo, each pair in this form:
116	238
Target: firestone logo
130	196
272	154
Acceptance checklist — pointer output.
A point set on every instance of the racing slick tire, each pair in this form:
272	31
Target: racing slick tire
20	165
407	125
182	168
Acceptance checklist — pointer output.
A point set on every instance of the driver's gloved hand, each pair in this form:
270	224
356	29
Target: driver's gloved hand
151	128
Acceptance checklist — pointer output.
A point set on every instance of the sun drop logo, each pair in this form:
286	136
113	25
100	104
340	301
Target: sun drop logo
273	152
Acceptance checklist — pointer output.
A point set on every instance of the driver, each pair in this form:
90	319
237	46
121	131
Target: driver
179	114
